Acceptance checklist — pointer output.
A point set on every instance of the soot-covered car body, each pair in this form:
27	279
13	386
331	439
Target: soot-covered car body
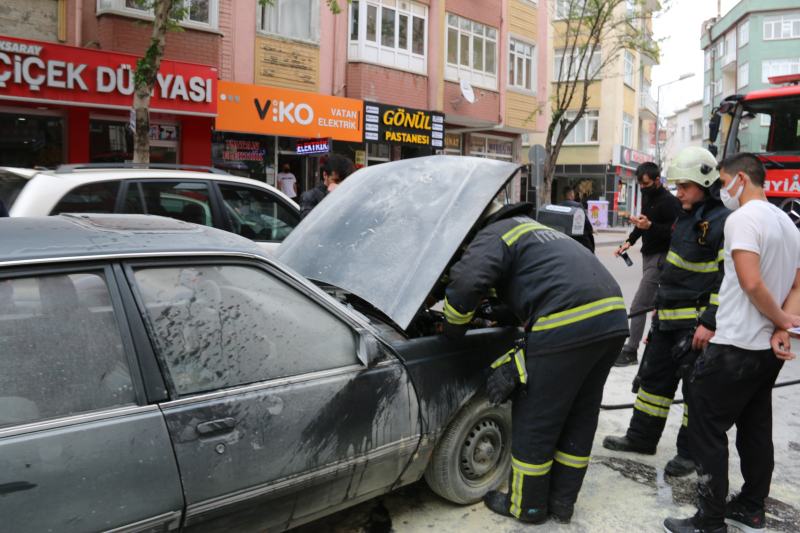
162	376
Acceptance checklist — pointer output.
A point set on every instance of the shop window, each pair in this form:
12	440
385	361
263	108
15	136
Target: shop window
186	201
389	32
100	197
112	142
298	19
521	65
452	144
256	214
585	131
200	13
245	155
471	52
567	67
501	148
30	141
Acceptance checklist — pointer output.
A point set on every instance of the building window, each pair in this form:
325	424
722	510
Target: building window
630	8
719	49
471	52
744	33
730	45
766	120
706	128
570	70
785	26
744	76
627	129
521	66
389	32
683	133
779	67
717	87
586	130
298	19
707	95
201	13
630	66
708	60
561	10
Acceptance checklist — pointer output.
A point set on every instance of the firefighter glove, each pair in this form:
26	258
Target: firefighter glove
501	384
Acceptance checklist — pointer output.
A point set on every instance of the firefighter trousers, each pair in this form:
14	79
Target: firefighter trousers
730	386
659	381
553	425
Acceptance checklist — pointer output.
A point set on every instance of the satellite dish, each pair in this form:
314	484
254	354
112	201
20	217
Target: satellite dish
466	92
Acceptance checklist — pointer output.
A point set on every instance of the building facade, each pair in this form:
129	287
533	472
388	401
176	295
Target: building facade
755	40
684	128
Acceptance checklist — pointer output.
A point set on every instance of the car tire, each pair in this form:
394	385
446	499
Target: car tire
474	454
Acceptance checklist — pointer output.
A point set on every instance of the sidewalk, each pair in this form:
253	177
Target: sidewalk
611	236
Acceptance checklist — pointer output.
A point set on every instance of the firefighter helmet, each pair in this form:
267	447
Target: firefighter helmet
693	164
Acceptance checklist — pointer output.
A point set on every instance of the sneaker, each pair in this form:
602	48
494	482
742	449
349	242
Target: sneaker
689	525
624	444
748	521
626	358
680	466
497	502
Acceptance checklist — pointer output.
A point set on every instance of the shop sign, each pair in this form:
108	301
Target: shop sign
498	147
243	151
452	141
270	111
399	125
60	74
361	158
313	146
622	156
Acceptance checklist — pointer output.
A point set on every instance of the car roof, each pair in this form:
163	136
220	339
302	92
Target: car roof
73	236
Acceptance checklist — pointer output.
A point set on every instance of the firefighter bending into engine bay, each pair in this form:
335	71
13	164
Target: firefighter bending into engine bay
576	324
686	308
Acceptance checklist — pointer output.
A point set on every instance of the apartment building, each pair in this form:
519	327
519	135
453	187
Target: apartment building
754	41
684	128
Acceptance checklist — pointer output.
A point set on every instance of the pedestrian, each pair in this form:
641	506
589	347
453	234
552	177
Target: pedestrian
733	378
334	172
686	301
659	210
3	210
575	326
287	182
587	239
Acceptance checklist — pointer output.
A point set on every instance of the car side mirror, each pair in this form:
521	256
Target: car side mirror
369	349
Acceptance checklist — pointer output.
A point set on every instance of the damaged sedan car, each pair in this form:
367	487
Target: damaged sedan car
163	376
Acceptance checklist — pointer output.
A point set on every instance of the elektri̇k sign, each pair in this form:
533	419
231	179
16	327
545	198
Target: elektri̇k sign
38	72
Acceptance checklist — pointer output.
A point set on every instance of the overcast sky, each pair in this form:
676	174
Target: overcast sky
680	51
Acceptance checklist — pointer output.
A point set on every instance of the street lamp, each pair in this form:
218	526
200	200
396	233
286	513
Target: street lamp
658	110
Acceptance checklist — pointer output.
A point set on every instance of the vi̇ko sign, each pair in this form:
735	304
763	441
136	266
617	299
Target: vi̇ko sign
32	71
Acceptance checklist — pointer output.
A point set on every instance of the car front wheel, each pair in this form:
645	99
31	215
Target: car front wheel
474	454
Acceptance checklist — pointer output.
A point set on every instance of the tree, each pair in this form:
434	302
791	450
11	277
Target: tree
166	13
589	37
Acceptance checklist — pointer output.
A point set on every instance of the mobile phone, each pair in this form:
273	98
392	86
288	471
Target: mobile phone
796	331
627	259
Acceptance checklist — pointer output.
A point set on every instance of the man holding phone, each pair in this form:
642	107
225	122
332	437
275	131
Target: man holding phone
659	211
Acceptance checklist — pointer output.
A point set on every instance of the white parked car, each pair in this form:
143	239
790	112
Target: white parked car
208	197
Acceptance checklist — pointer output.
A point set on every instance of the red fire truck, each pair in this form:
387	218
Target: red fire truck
767	123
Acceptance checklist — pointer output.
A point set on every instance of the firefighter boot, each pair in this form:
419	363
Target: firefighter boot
627	358
500	503
691	525
679	466
749	521
624	444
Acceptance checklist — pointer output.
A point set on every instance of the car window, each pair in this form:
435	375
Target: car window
61	350
10	187
257	214
187	201
100	197
223	326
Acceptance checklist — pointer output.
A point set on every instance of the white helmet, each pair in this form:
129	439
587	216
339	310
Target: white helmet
693	164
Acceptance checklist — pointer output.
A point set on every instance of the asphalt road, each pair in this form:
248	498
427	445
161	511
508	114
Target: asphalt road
622	492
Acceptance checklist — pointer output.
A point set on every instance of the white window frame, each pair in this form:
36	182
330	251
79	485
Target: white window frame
365	50
594	64
743	75
784	21
261	16
744	33
627	129
707	95
792	63
630	8
719	49
730	44
708	60
706	128
590	115
630	70
118	7
561	9
718	87
765	119
531	71
456	71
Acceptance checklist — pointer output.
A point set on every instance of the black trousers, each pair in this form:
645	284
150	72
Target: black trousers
554	420
659	381
732	386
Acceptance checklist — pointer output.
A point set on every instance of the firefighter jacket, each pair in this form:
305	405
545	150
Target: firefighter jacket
693	273
558	289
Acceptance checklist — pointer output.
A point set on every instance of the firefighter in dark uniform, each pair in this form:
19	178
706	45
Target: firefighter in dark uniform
686	303
576	323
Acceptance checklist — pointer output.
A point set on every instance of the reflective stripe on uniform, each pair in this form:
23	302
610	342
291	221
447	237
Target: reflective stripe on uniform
512	235
679	262
519	362
491	293
583	312
519	471
650	410
454	317
714	299
679	314
652	404
685	415
661	401
571	460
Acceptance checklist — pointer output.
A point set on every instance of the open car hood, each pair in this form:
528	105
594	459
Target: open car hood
387	232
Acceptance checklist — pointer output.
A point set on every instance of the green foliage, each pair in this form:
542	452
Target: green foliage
144	74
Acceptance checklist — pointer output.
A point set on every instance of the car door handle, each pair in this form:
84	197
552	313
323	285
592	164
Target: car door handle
223	425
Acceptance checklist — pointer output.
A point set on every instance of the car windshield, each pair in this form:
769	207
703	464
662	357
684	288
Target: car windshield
10	187
772	126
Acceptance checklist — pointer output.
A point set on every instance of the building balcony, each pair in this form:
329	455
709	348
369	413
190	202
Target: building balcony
729	62
648	110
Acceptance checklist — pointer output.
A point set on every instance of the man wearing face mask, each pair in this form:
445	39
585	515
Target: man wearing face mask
659	210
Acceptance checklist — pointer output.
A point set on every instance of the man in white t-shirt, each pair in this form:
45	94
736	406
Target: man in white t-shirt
732	381
287	182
